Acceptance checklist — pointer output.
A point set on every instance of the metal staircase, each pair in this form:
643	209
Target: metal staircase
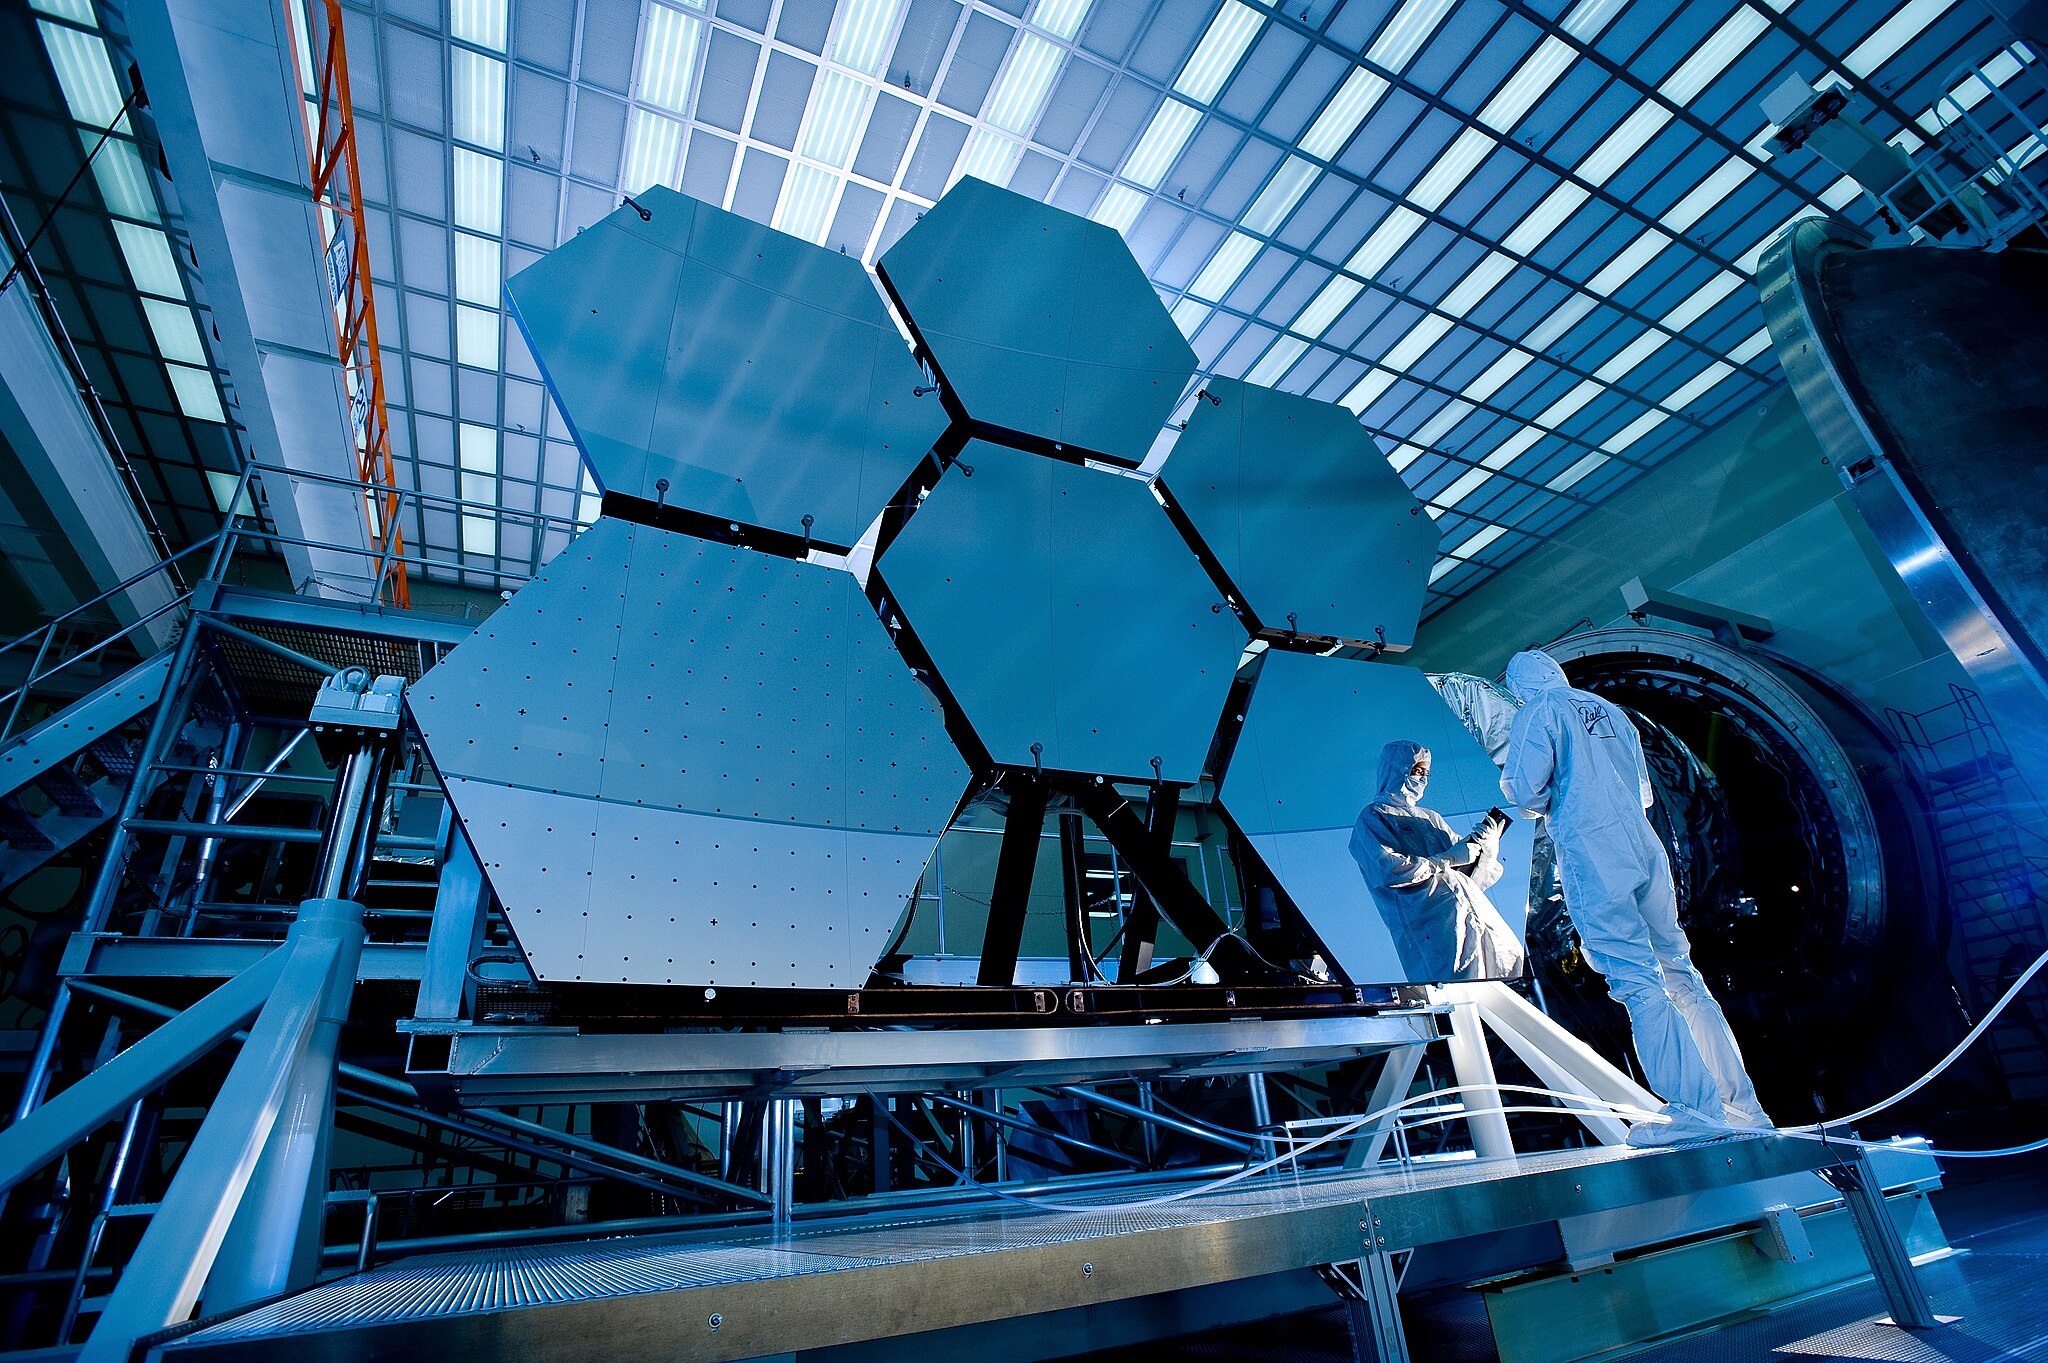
1996	868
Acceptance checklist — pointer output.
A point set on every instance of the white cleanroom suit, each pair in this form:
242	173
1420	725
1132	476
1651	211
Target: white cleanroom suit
1486	711
1443	925
1577	760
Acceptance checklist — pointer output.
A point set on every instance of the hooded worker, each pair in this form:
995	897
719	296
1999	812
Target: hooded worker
1577	760
1430	887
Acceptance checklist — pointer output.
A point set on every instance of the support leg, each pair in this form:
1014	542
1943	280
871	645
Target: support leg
1377	1335
1863	1194
1397	1076
1474	1070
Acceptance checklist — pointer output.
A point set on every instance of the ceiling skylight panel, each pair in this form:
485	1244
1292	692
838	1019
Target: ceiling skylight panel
1025	83
478	21
1576	472
1478	282
807	202
1569	406
1280	195
123	181
836	112
1692	391
477	269
990	156
668	56
1479	542
1416	343
1720	51
1890	38
1119	208
1702	301
476	447
1225	267
1385	242
1401	456
1631	355
1496	375
1546	217
1562	319
1757	344
1328	305
478	97
150	265
1189	314
1221	49
479	192
1619	147
1469	482
1438	426
864	29
77	11
1342	115
1277	360
1061	18
1634	431
83	74
1160	143
653	147
1627	263
1530	82
1366	390
476	337
197	397
1589	18
1402	38
1451	169
176	337
1708	194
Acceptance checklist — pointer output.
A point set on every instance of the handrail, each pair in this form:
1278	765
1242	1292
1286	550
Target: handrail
115	590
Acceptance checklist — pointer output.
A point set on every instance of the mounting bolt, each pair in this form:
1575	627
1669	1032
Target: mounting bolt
715	1321
1087	1270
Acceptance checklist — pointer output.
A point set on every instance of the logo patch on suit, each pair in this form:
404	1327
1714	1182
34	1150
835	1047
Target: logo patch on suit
1597	719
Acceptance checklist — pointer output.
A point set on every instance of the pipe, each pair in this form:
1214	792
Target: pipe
114	860
271	646
1018	1123
1157	1118
270	768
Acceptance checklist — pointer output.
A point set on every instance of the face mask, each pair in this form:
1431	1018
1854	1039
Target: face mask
1412	788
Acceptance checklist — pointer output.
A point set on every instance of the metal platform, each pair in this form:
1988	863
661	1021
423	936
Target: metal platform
742	1295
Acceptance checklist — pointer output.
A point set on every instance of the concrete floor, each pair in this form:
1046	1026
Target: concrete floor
1996	1213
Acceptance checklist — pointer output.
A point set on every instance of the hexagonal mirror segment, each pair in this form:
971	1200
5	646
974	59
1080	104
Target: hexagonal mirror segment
1041	325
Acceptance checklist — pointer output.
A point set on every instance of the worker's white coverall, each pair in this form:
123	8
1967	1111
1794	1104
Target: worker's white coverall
1443	925
1577	759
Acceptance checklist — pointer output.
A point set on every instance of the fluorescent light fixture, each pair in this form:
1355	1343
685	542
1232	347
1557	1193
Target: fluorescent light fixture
1225	267
1514	447
836	112
1708	194
1470	482
1061	18
1401	456
1546	217
1340	118
653	147
84	74
1385	242
1160	144
1278	359
668	57
1530	82
479	487
480	192
1402	38
1496	375
864	28
1627	263
477	448
77	11
1221	49
807	202
989	156
1366	390
1562	319
477	97
479	535
123	180
1722	49
1704	299
477	269
1479	541
1438	426
1328	305
1026	80
1451	169
1631	355
176	336
476	337
150	265
478	21
197	397
1189	314
1634	431
1619	147
1576	472
1569	406
1412	347
1481	280
1757	344
1443	565
1699	385
224	487
1890	37
1589	18
1119	207
1280	195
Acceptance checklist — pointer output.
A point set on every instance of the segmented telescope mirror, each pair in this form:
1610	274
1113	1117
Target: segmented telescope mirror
1062	609
683	763
1041	324
1303	513
757	375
